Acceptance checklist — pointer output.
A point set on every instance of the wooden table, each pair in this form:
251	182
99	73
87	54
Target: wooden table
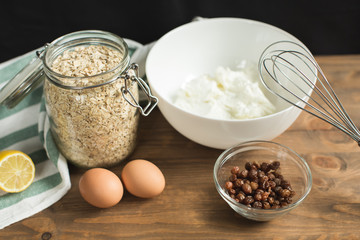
190	207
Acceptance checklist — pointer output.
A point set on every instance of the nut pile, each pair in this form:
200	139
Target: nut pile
260	186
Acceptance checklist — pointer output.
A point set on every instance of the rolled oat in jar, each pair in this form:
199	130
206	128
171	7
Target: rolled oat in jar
91	98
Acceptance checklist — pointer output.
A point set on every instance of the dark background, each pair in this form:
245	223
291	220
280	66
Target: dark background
326	27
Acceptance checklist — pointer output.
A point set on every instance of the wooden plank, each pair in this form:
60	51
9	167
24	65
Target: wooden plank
190	207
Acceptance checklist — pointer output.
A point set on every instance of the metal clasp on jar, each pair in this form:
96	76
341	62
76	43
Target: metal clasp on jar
151	100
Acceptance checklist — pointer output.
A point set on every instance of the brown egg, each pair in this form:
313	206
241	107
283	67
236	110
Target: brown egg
143	179
101	187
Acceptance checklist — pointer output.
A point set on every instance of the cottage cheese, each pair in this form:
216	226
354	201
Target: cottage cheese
228	95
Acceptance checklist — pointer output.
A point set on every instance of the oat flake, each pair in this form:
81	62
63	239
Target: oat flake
93	127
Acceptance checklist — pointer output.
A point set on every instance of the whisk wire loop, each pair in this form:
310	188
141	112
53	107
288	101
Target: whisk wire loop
297	75
309	83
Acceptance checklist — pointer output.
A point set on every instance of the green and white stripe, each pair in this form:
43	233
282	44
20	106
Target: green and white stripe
26	128
19	129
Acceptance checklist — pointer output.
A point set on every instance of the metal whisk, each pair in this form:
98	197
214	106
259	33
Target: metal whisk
291	72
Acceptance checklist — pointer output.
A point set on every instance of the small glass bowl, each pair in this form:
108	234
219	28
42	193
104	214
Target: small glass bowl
293	167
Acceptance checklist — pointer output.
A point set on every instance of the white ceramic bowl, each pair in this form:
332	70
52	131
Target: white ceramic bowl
198	48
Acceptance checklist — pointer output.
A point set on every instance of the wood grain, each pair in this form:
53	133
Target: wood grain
190	207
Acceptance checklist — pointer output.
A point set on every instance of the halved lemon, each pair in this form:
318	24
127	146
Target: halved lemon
17	171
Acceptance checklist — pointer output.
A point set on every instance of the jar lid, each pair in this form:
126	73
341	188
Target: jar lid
23	82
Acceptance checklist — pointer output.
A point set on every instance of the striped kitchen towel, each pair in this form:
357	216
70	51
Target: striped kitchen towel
26	128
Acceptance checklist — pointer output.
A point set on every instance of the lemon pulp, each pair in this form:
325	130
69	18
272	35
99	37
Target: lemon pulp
17	171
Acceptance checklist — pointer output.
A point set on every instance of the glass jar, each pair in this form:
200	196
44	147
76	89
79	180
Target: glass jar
91	97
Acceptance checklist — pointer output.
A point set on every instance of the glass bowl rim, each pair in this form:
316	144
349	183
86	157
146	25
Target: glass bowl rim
220	161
